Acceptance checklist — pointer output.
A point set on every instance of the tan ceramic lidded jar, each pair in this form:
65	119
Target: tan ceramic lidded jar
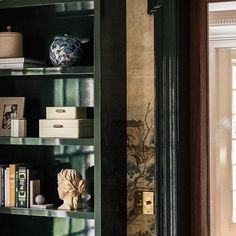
11	44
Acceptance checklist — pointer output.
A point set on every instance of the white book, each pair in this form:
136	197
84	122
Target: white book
18	66
21	60
7	199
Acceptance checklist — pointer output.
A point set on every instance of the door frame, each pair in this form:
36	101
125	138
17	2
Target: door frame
183	172
199	118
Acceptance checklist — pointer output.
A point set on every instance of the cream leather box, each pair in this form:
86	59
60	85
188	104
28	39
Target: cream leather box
69	112
78	128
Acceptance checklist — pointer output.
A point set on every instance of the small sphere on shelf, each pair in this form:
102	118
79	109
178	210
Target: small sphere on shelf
39	199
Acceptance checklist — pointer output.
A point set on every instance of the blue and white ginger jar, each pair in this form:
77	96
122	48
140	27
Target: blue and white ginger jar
65	51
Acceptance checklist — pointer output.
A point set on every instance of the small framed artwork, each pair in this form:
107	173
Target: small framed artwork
10	108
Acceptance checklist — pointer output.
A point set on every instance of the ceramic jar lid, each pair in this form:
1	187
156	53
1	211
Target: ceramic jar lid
9	33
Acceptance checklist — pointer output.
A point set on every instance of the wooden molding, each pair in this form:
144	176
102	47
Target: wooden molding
199	143
199	164
222	18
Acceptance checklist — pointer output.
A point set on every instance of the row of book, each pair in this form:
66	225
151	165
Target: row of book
19	184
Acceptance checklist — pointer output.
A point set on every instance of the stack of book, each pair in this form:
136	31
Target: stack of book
19	184
20	63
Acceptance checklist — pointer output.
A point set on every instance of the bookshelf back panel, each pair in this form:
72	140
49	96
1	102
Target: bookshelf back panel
39	26
51	160
40	93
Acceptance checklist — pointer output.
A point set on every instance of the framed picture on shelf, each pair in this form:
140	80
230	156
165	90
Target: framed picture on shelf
10	108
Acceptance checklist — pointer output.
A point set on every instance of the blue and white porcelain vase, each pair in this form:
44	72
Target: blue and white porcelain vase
65	51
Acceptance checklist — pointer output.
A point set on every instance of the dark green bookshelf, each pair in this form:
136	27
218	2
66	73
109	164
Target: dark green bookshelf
99	81
86	6
39	22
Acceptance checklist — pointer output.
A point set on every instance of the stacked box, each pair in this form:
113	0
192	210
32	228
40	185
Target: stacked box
67	122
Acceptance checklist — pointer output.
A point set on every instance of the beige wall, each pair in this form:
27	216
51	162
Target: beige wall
140	57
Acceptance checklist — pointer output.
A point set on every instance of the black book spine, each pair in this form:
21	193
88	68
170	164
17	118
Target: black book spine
2	186
22	187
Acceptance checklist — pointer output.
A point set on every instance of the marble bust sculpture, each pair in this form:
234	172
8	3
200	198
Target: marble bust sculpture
70	186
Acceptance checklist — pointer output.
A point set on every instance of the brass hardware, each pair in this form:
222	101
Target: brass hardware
144	202
60	110
57	126
148	206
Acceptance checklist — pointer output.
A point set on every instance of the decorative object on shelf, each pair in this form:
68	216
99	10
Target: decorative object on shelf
18	127
70	187
39	202
10	108
65	51
42	206
66	128
63	123
11	44
69	112
34	190
20	63
39	199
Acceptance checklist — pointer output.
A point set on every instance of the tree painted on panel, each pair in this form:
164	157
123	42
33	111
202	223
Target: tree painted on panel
141	153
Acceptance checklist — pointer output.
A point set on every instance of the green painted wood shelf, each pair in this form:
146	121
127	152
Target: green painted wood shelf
44	72
82	5
46	141
47	212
